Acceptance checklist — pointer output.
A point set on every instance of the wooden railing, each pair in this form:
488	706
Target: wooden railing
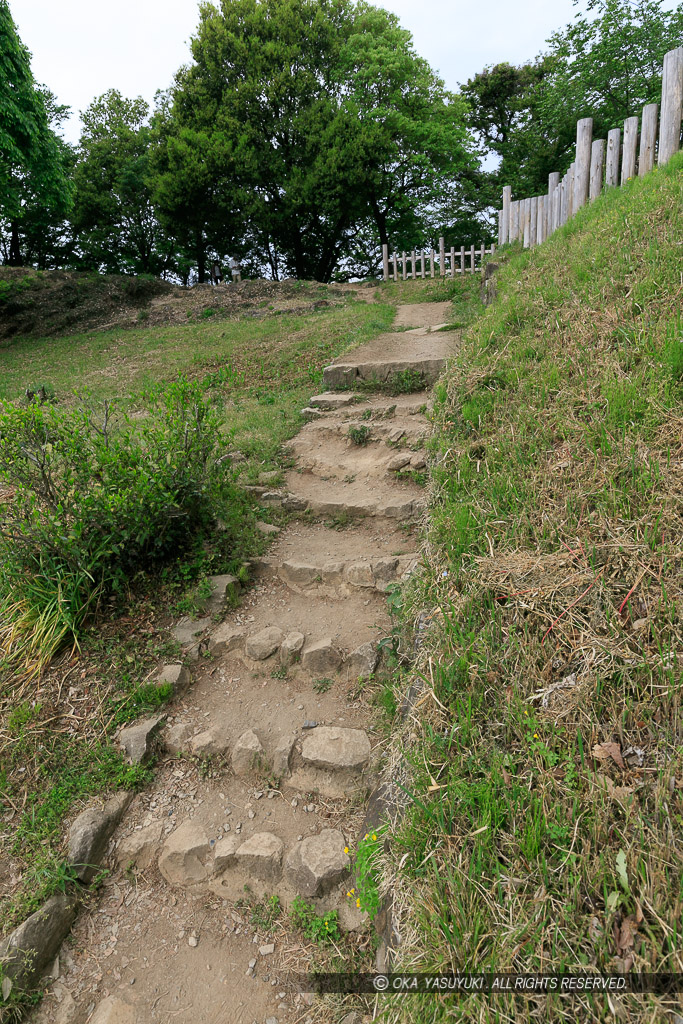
600	163
411	265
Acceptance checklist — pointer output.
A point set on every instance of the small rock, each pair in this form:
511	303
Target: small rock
310	723
176	737
333	572
351	918
336	748
246	753
362	662
267	949
310	414
321	658
300	574
282	754
290	649
360	575
293	504
418	462
316	864
352	1018
398	462
261	856
261	645
193	940
185	856
226	638
188	633
251	814
384	569
137	741
139	847
176	676
90	834
252	964
396	435
224	591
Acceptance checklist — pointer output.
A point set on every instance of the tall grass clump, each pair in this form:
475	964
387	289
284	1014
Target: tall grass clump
543	765
92	501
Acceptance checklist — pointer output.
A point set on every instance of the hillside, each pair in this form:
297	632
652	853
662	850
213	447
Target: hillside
545	762
35	303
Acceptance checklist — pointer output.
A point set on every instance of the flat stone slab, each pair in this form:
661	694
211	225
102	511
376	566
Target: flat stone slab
336	748
332	400
261	856
344	375
186	855
27	952
261	645
137	741
321	658
90	834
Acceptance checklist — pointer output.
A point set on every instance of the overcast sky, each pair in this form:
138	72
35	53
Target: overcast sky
81	48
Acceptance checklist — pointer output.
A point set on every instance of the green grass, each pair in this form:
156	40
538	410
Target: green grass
553	593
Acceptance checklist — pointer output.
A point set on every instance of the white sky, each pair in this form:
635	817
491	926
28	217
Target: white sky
81	48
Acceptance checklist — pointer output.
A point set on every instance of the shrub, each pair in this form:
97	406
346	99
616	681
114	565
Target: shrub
96	502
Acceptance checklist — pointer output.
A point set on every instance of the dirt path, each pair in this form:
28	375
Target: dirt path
170	937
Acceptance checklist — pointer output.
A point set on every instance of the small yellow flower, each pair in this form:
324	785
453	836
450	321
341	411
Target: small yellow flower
374	836
346	849
535	735
525	711
367	834
358	903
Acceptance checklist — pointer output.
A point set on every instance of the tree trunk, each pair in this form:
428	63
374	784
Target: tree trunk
14	249
380	219
201	257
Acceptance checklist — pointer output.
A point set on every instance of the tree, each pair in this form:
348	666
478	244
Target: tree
114	220
606	64
298	124
34	162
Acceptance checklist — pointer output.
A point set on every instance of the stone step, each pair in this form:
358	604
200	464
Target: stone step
380	497
338	458
346	575
394	431
346	375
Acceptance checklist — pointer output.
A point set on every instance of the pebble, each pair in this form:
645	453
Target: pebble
267	949
295	802
271	794
300	707
193	940
251	814
258	795
310	724
252	963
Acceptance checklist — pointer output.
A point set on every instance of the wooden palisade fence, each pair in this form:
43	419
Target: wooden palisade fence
600	163
402	266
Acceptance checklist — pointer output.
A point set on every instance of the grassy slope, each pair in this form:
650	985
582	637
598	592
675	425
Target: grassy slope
551	837
55	749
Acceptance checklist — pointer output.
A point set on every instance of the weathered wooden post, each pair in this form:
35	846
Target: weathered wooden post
395	267
553	182
563	200
613	154
471	259
584	139
414	266
432	255
557	206
628	160
526	221
482	256
570	190
405	267
423	264
533	222
672	105
597	161
462	260
507	199
541	219
648	139
385	261
442	257
452	261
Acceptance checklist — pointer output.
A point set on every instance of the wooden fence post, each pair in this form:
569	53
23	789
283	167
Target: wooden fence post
527	222
442	257
514	220
422	263
557	206
482	256
385	262
597	161
395	267
570	190
648	139
405	269
613	154
672	105
413	265
628	160
563	200
553	182
507	199
462	260
584	138
541	219
471	259
533	221
432	256
452	262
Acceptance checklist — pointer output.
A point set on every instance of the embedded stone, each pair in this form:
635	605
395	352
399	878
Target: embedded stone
185	856
293	504
291	649
398	462
267	529
399	510
384	569
418	462
261	856
299	573
360	575
362	662
321	658
188	632
176	676
261	645
210	742
224	592
90	834
137	741
226	638
311	414
336	748
28	951
317	863
246	753
333	572
282	754
176	737
332	400
224	854
113	1011
139	847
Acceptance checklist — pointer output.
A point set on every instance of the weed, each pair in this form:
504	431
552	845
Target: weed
360	435
322	685
322	929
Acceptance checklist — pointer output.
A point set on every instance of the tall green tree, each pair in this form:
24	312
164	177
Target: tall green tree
114	219
34	162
